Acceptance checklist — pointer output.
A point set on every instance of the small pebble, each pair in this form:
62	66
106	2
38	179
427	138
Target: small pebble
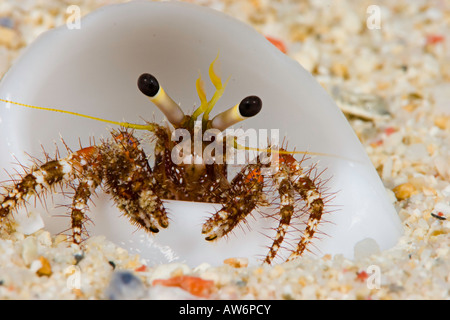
112	264
35	265
236	262
404	191
124	285
442	122
7	22
46	268
8	37
78	257
29	250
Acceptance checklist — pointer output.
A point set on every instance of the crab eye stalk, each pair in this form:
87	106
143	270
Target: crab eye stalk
149	86
248	107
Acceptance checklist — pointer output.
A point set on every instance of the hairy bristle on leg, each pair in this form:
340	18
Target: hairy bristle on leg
286	192
246	193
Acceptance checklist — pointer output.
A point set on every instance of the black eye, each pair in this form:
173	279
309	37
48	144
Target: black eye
250	106
148	84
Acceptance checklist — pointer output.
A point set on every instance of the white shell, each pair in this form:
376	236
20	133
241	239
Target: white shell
93	70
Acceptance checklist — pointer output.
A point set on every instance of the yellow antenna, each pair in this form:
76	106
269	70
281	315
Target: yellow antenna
149	127
237	146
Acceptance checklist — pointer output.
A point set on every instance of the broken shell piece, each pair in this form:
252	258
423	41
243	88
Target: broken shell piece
365	106
28	222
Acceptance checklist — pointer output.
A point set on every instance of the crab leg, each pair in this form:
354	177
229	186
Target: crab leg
122	165
37	181
131	183
286	192
311	195
86	163
79	206
45	177
245	196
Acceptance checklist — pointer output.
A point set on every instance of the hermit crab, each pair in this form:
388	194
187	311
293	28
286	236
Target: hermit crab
93	70
184	169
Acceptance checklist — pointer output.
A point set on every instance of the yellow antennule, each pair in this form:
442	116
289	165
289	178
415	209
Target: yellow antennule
149	127
215	78
220	88
200	85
